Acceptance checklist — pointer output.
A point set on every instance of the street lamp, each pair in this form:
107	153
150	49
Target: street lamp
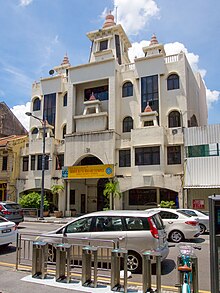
43	122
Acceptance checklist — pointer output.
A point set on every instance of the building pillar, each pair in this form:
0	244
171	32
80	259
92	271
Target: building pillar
68	211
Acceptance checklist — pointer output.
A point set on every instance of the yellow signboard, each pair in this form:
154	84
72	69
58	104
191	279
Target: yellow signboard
91	171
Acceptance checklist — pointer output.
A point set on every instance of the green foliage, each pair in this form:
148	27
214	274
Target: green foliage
33	200
112	188
55	189
167	204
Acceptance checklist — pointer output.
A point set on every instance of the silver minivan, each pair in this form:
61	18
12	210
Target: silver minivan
136	231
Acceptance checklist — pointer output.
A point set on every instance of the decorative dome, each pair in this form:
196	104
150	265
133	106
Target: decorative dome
65	60
109	20
92	97
148	108
153	40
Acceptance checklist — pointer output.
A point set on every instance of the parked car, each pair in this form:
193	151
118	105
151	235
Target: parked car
11	211
136	231
8	232
203	218
178	225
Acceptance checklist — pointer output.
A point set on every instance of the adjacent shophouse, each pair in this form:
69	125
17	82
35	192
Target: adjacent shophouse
113	119
201	165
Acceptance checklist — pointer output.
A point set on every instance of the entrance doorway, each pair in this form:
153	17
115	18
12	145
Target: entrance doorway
102	201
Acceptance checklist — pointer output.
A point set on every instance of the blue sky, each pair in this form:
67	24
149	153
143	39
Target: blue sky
36	34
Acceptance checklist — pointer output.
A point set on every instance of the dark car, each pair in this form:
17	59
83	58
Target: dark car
12	211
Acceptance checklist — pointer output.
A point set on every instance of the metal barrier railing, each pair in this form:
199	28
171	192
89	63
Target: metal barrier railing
31	212
25	242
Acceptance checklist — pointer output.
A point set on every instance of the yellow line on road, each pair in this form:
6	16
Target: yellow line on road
174	289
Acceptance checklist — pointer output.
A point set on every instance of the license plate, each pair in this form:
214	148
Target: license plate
6	231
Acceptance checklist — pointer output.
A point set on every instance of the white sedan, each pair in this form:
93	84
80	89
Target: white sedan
8	232
203	218
178	225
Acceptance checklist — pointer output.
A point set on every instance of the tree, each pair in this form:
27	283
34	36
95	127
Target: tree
112	191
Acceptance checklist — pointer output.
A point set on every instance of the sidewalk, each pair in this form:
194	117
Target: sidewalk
50	219
12	281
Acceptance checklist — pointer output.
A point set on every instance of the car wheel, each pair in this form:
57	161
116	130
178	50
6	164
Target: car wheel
51	253
134	262
176	236
202	228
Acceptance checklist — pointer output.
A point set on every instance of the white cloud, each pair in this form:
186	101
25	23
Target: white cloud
212	97
136	49
19	111
25	2
134	15
176	47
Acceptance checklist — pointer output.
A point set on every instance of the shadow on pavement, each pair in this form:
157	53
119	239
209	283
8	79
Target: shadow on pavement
7	249
167	266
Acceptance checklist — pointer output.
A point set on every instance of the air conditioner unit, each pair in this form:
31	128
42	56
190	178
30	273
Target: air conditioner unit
174	131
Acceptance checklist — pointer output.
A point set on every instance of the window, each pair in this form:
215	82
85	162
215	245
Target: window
173	155
136	224
205	150
174	119
148	123
50	108
65	100
118	48
143	197
127	89
127	124
173	82
147	156
101	93
168	215
104	224
149	92
103	45
59	161
64	131
124	158
32	162
36	104
34	131
39	162
25	163
4	163
82	225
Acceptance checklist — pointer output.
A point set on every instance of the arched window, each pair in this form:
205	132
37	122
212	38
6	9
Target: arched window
36	104
173	82
64	131
127	89
127	124
34	131
193	121
65	100
174	119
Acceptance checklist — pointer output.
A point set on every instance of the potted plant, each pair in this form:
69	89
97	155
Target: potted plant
112	191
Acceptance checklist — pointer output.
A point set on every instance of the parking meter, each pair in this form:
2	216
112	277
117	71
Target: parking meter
214	219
